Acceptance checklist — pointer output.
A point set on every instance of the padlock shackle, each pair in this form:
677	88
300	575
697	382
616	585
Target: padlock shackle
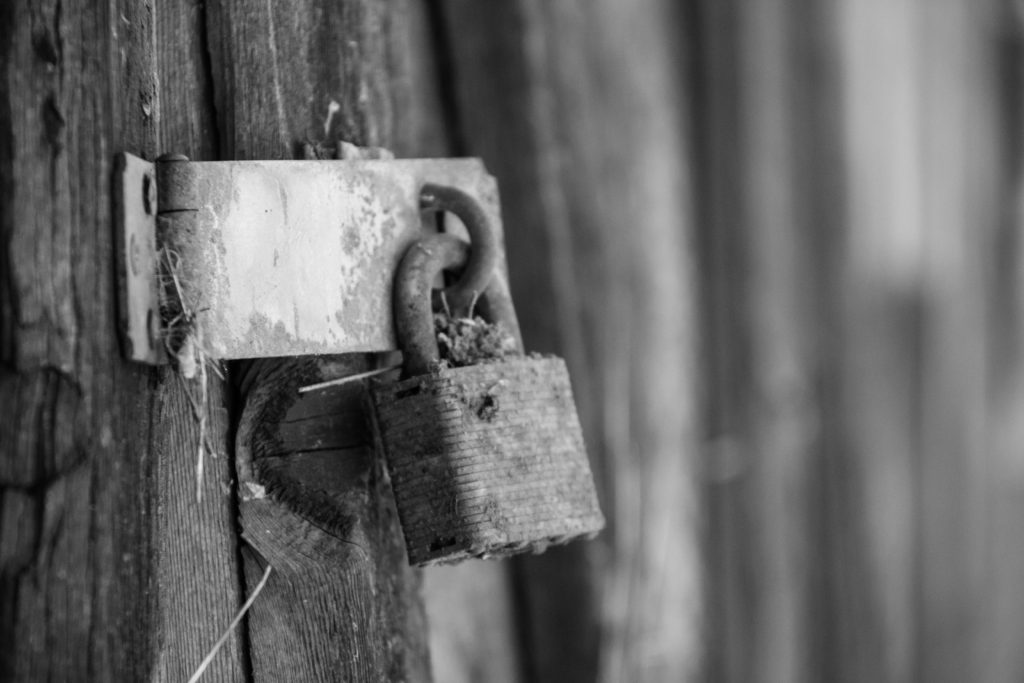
414	314
483	259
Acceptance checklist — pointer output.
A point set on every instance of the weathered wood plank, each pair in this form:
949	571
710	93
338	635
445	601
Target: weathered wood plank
341	602
1004	660
769	433
730	651
105	423
960	170
471	621
862	531
75	457
577	108
921	328
808	364
198	571
736	611
881	311
145	574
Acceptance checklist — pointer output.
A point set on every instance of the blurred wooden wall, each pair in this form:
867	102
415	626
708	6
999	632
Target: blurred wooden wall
817	202
840	179
578	107
858	175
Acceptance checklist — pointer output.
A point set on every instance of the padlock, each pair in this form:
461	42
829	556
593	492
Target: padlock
485	460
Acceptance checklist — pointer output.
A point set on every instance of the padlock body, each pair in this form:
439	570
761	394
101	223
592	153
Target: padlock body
486	460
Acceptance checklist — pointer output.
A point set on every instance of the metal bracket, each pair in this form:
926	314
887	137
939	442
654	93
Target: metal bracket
273	258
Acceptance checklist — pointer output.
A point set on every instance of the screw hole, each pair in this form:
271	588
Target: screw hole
149	329
148	194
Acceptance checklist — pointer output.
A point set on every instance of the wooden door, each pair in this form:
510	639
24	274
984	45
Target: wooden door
112	570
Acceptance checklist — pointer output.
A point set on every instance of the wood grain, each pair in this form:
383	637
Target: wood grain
960	170
471	614
857	217
807	365
111	570
578	110
198	566
769	314
342	601
76	467
74	449
1004	262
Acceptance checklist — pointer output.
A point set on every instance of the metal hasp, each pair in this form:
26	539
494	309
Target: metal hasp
273	258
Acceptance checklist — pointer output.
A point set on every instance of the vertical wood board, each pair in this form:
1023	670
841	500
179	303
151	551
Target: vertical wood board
98	583
577	108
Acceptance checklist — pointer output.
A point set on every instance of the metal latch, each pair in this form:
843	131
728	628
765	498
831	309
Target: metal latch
273	258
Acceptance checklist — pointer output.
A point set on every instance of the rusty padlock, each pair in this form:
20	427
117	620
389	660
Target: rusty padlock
486	460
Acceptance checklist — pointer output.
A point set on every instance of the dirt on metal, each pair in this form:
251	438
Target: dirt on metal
471	340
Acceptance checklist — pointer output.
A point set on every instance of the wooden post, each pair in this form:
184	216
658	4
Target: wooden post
109	568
